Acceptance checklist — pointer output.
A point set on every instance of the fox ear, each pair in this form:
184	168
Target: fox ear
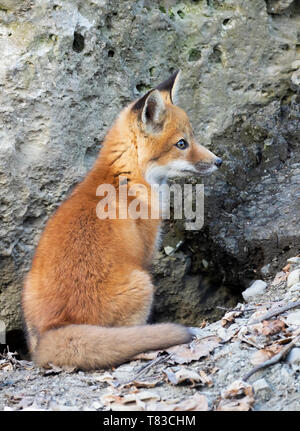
169	87
152	111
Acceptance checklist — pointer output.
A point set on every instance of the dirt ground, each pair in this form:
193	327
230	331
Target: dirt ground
228	366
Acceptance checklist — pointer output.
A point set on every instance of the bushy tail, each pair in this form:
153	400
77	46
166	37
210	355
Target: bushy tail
90	347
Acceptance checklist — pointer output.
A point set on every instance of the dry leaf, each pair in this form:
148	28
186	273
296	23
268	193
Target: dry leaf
206	379
230	317
185	354
130	402
286	268
53	369
257	328
263	355
149	382
249	339
237	397
6	366
243	405
195	403
147	395
258	314
148	356
183	375
286	340
106	378
269	327
238	388
8	362
27	365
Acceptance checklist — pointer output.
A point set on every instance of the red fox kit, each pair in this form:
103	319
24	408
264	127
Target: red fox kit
88	295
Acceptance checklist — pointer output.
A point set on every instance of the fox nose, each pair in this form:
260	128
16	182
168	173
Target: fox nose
218	162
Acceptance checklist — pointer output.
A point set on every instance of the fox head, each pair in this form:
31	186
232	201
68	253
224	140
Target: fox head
152	138
166	144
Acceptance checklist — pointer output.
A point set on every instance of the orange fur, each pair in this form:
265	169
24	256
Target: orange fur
88	295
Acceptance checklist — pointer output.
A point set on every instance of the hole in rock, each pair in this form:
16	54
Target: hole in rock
78	42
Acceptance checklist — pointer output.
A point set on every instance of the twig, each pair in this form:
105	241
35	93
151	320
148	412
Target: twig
245	309
275	312
250	342
146	367
151	364
160	359
274	360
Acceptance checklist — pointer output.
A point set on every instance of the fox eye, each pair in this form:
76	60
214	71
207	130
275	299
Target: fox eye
182	144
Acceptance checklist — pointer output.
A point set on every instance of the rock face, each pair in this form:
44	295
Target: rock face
68	67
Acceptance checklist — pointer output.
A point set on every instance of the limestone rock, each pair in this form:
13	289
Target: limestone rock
293	278
68	67
278	6
260	385
293	318
294	356
294	260
256	289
